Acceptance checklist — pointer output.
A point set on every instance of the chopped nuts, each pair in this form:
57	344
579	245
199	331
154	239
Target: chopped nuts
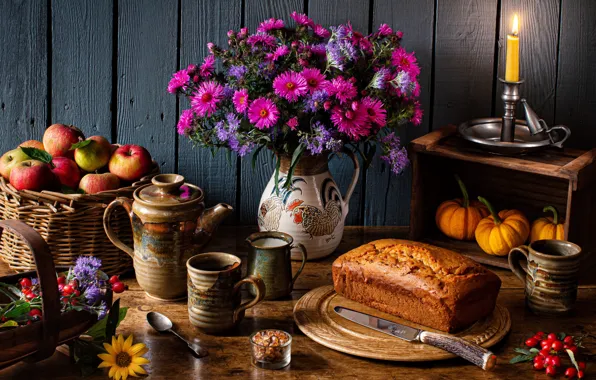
271	348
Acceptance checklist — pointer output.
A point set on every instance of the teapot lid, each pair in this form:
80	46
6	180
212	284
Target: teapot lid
169	190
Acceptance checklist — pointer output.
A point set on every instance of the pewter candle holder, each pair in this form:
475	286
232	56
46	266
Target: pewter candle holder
510	98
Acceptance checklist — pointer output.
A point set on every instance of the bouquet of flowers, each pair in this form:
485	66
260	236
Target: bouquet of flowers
302	90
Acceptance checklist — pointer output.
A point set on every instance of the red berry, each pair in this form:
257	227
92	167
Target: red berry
570	373
118	287
569	340
555	361
35	313
546	343
29	322
77	292
581	365
557	345
538	365
545	352
580	374
573	349
30	296
74	284
61	280
114	279
551	370
531	342
25	283
540	333
67	290
552	336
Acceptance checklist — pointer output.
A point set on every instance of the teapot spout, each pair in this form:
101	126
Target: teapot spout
211	218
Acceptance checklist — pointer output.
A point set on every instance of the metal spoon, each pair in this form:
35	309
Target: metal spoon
162	323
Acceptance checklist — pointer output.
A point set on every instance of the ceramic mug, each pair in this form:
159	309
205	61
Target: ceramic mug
270	258
214	299
551	276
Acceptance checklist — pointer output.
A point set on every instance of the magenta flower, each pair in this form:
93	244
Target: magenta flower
417	117
179	81
278	53
204	100
269	25
385	30
185	122
290	85
302	19
376	113
263	113
406	62
353	123
320	31
240	100
292	123
265	40
208	66
343	89
315	80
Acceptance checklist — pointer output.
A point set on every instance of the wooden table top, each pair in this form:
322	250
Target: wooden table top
229	355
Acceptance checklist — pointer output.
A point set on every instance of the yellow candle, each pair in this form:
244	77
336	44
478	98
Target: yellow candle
512	60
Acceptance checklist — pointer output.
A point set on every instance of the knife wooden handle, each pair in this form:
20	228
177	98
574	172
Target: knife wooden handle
473	353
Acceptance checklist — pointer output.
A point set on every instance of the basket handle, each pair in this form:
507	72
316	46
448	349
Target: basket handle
46	273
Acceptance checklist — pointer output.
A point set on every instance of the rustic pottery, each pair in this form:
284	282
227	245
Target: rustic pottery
170	225
269	257
214	298
312	210
551	277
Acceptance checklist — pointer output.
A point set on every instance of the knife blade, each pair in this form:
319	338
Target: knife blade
462	348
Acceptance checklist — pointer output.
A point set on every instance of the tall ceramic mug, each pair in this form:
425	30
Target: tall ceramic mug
214	299
552	274
270	258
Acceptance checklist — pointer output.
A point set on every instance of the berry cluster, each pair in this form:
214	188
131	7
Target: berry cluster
30	293
117	286
546	351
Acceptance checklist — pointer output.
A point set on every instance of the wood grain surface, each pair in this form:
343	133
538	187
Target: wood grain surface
315	317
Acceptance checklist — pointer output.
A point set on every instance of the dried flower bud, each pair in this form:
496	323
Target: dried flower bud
244	32
327	105
364	92
352	79
191	68
399	34
355	105
210	46
303	62
295	44
231	34
195	78
349	114
230	42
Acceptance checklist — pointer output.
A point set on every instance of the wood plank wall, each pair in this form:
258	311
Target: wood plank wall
103	65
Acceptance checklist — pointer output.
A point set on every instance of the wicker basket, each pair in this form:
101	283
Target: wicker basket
71	224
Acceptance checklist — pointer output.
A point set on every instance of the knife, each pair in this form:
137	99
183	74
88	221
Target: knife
473	353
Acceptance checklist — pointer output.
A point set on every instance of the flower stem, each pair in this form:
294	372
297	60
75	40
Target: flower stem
490	207
464	191
554	211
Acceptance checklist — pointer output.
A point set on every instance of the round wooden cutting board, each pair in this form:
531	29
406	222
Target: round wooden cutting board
315	317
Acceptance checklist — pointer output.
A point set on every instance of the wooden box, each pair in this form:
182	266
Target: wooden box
564	178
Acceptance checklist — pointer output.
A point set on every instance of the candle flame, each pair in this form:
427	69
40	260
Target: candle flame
515	28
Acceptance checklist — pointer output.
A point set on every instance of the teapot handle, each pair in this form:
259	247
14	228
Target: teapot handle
127	204
354	176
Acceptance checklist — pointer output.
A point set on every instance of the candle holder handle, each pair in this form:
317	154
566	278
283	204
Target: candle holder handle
510	98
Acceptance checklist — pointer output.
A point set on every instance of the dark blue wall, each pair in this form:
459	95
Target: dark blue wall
103	65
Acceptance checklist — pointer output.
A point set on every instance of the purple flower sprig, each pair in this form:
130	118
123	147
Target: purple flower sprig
394	154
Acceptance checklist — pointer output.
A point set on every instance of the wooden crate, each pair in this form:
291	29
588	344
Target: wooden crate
564	178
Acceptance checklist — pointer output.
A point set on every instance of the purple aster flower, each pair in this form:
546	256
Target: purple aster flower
316	100
318	49
402	81
228	92
233	122
102	310
237	71
92	294
380	78
221	131
86	268
394	154
321	139
242	149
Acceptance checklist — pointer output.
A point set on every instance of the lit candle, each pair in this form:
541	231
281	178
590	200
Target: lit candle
512	60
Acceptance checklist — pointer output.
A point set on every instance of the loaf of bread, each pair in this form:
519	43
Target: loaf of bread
422	283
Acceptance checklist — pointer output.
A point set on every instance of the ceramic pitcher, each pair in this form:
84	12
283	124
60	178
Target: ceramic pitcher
312	209
169	225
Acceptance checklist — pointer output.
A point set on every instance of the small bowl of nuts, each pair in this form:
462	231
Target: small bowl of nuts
271	349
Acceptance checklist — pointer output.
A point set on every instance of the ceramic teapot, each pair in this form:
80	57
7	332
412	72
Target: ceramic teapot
169	226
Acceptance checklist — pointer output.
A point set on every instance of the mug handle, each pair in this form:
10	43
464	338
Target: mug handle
514	262
302	249
127	205
258	284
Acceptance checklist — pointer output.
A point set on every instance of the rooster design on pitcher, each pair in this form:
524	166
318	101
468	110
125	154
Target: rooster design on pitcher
314	221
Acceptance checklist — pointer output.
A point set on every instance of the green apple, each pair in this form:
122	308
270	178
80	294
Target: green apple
10	159
94	153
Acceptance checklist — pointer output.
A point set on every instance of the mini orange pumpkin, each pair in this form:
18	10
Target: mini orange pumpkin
458	218
498	233
548	227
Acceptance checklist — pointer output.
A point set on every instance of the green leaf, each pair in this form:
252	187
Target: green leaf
80	144
572	358
255	155
534	350
9	324
521	359
276	176
112	320
19	310
97	331
295	158
522	351
561	335
38	154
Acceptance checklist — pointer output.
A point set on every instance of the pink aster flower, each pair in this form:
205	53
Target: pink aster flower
240	100
302	19
374	108
185	122
344	90
353	123
263	113
204	100
385	30
292	123
405	61
320	31
271	24
278	53
178	81
261	39
315	80
290	85
417	117
208	66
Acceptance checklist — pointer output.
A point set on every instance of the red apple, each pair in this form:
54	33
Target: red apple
95	155
10	159
67	172
58	139
32	144
130	162
33	175
95	183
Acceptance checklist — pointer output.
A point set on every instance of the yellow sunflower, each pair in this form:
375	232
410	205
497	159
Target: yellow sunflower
123	358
